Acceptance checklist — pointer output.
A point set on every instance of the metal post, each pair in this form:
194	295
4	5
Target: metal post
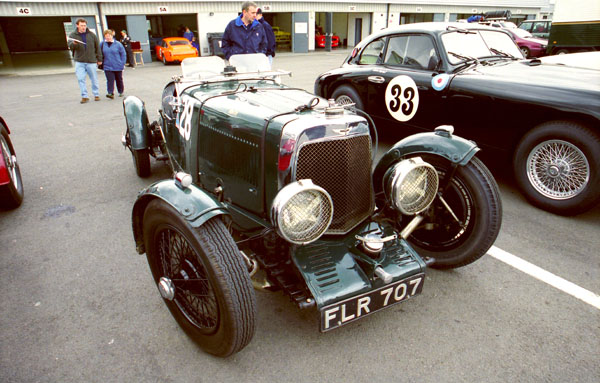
328	30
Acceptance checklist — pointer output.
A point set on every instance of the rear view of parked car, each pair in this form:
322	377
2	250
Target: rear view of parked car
174	49
11	185
544	118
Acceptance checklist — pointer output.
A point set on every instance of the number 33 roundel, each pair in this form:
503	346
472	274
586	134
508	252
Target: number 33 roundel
402	98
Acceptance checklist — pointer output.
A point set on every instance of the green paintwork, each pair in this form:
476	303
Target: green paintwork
335	268
232	143
137	122
193	203
455	149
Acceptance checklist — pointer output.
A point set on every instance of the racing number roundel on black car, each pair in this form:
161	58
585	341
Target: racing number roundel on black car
402	98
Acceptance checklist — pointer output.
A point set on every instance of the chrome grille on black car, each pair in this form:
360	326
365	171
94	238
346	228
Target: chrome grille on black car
342	166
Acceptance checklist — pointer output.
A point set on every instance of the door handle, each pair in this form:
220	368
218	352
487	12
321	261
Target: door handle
376	79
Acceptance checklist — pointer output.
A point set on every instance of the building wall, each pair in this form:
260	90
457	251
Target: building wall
213	16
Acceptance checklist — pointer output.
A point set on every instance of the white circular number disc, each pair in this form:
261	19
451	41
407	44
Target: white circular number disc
402	98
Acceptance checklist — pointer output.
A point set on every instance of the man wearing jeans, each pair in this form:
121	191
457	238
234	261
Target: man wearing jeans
87	55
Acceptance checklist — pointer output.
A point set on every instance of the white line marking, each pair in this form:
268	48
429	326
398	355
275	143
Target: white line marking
546	276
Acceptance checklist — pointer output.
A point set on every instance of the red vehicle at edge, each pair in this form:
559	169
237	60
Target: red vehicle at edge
11	185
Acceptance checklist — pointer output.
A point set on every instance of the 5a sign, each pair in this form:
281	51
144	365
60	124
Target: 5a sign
23	11
163	9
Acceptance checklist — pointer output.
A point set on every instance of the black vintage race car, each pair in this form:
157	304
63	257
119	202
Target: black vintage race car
274	187
544	118
11	185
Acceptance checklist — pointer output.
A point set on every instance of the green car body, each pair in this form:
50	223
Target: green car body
242	146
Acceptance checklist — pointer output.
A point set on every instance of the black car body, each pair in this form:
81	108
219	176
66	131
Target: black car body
544	117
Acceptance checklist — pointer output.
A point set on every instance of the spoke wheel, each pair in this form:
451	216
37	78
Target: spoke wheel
557	166
345	95
11	194
202	278
194	295
558	169
462	229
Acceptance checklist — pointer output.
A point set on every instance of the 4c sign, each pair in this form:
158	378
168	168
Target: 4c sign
21	11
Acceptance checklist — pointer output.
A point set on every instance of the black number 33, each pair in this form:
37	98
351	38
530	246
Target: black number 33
395	103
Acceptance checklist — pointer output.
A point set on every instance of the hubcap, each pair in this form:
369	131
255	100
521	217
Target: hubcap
558	169
166	288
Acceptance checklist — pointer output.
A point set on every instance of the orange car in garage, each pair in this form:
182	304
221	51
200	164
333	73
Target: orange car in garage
174	49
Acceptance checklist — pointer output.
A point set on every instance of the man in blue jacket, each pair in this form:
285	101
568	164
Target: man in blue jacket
244	34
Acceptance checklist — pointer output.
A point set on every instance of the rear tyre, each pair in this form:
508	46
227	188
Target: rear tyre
164	60
557	167
345	95
213	300
11	194
141	161
473	196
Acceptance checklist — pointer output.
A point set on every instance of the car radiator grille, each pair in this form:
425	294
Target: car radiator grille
343	168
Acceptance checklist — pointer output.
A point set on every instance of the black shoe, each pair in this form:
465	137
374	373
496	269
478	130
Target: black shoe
110	95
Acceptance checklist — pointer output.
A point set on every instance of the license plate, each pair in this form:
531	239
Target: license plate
351	309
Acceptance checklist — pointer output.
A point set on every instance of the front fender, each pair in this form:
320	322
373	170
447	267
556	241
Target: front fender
136	119
193	203
441	143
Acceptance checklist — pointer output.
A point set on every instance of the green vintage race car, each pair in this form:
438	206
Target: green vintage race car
275	188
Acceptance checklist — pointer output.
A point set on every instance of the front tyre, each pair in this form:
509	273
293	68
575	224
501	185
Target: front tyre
211	294
141	161
11	194
557	166
462	225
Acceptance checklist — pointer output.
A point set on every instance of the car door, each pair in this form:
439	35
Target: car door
400	88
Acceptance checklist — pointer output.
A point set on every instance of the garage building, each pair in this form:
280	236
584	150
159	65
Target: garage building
40	27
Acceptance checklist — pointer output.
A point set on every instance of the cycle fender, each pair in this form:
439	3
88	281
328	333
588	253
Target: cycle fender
193	203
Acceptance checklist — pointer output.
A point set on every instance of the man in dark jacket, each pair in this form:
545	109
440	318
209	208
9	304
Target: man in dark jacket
271	44
126	42
244	34
87	55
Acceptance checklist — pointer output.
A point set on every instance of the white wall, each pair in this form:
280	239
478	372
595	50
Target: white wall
366	25
379	21
211	24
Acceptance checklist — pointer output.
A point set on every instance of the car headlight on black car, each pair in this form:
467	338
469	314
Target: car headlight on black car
411	185
302	212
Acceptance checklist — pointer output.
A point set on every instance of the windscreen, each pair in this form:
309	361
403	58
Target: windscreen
477	44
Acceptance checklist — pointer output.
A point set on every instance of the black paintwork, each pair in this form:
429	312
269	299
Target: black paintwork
493	102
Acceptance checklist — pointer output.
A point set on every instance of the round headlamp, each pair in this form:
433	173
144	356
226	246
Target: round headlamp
302	212
411	185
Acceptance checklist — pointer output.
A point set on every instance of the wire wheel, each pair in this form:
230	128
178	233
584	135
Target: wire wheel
194	295
201	277
558	169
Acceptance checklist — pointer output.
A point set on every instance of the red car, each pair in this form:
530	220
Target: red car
530	46
320	41
11	186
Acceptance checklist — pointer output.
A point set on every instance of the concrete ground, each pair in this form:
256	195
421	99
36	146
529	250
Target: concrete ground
78	304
